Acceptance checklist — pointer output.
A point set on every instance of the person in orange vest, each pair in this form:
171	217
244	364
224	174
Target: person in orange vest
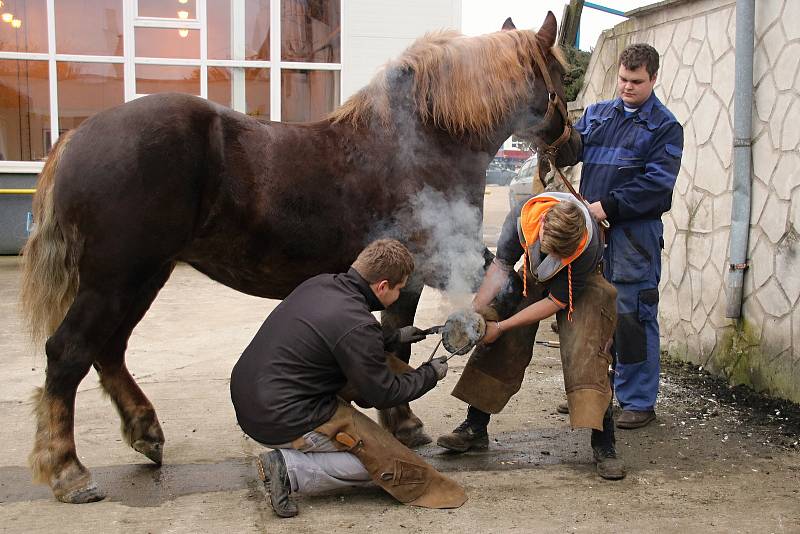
562	275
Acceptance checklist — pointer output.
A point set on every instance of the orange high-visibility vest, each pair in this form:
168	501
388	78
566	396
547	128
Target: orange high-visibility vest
528	226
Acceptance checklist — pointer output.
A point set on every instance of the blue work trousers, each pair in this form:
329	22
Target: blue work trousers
632	262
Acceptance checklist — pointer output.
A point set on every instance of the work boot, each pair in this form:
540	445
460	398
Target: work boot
634	419
272	471
465	437
563	407
608	465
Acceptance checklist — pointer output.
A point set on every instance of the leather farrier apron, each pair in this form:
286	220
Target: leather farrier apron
390	464
494	373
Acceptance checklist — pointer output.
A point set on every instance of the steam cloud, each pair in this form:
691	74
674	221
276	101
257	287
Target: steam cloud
453	252
445	235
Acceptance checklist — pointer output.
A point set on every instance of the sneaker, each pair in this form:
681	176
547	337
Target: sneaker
635	419
563	407
464	438
272	471
609	466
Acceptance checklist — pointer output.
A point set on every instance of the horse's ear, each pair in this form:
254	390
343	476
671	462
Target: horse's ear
547	33
508	25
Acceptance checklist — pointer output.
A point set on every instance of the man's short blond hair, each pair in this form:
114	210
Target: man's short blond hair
384	259
564	227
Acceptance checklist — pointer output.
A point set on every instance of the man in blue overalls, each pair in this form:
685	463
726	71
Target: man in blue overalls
632	148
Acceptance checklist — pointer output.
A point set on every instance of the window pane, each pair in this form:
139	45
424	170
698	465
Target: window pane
24	110
168	43
250	42
245	90
26	29
308	95
310	31
169	9
220	85
89	27
257	93
163	78
86	88
256	30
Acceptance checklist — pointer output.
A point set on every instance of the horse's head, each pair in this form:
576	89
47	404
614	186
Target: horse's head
544	121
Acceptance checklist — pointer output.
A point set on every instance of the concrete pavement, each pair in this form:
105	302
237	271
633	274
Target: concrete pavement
704	466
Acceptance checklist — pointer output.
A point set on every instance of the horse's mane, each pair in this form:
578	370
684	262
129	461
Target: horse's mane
461	84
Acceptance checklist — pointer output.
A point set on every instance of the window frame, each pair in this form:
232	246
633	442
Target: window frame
131	21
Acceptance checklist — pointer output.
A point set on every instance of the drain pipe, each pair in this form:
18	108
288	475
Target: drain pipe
742	131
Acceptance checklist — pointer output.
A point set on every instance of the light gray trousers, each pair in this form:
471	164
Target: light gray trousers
318	466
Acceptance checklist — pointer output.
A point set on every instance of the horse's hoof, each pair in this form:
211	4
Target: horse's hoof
413	437
89	493
152	449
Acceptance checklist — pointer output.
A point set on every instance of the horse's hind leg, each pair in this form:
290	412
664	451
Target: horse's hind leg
140	427
91	320
100	308
400	420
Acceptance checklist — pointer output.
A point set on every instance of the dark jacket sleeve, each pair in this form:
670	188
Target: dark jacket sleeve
651	191
391	341
509	249
362	359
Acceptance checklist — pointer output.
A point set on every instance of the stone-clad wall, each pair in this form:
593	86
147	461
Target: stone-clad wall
696	81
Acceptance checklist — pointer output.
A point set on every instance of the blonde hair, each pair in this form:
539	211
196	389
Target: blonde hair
384	259
564	227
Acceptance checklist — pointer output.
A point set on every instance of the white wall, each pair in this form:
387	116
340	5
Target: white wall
375	31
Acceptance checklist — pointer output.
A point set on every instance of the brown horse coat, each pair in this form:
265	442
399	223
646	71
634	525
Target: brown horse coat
258	207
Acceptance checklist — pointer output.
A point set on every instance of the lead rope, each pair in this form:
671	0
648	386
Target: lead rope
569	284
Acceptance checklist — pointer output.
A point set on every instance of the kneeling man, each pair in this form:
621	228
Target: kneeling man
321	346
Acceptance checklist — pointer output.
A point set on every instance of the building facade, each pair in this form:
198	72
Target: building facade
61	61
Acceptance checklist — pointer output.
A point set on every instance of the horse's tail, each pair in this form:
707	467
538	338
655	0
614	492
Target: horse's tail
49	259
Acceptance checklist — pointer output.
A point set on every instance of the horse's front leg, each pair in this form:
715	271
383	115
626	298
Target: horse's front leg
400	420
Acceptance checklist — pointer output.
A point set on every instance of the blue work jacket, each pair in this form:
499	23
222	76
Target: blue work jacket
630	164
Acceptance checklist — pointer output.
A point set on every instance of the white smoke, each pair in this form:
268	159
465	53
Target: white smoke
453	251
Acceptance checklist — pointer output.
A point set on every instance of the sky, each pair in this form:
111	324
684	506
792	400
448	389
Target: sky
485	16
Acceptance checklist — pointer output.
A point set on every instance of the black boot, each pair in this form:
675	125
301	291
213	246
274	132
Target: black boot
272	471
609	466
471	434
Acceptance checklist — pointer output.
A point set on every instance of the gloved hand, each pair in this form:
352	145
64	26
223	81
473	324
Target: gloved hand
410	334
440	366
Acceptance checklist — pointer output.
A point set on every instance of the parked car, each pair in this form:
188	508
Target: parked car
521	186
499	172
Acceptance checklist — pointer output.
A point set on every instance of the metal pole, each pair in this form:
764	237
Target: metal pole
742	131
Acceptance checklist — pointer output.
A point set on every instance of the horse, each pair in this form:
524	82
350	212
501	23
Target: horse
259	207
